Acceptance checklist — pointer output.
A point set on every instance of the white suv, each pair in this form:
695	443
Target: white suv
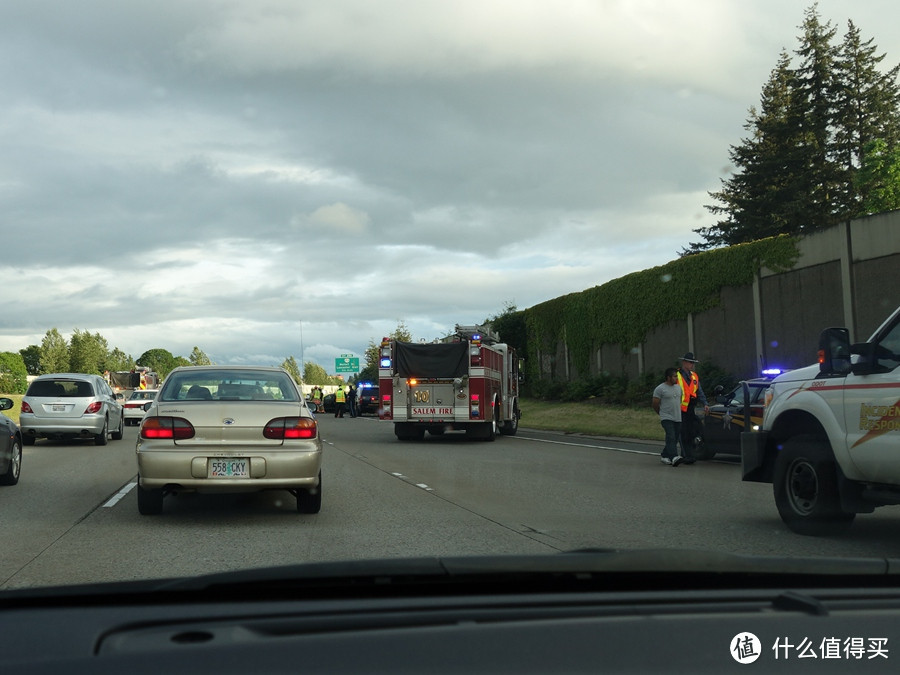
71	405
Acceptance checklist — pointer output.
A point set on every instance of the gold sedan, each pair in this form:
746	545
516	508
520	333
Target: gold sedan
229	429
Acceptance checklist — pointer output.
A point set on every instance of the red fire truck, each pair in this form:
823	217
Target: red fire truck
468	381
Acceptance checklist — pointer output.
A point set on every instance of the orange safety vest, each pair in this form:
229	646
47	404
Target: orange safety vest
689	390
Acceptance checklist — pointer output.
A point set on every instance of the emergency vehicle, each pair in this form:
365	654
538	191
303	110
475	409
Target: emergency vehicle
140	377
467	381
830	438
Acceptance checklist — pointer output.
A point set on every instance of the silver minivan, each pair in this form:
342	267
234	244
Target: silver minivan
71	405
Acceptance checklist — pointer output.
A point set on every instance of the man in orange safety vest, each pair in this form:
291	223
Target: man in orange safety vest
691	393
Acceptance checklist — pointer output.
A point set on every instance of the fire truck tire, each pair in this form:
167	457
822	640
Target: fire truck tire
408	432
806	491
510	427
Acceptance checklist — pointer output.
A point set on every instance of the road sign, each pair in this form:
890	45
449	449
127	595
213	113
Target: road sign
346	363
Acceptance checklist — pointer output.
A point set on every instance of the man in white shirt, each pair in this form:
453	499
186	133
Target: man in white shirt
667	404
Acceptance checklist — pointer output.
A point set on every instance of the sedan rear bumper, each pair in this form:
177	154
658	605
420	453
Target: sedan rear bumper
86	425
267	470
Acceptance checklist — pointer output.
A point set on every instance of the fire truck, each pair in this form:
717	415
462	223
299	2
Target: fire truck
138	378
468	381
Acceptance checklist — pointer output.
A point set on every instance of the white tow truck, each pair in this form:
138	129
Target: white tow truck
830	438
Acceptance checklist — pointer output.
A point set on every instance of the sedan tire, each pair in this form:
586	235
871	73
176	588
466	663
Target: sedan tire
120	432
103	437
11	477
150	502
309	501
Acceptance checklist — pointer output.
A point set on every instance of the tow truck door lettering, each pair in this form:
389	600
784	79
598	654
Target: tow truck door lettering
872	424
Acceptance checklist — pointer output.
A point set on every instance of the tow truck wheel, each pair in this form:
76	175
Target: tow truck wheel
806	491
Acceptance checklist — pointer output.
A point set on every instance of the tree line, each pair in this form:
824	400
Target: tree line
87	352
823	146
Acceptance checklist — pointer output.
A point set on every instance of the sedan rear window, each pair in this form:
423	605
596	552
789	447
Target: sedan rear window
61	389
225	385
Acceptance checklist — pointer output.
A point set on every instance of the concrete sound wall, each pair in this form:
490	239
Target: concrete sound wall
848	276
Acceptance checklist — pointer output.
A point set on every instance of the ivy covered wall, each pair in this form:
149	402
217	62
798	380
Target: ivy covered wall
566	334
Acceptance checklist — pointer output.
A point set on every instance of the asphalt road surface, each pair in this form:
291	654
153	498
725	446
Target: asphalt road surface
73	516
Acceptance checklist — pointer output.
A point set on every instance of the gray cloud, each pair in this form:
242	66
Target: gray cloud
231	175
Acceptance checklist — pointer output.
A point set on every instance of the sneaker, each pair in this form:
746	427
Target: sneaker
677	460
666	460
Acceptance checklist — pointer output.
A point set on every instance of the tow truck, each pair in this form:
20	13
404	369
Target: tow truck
830	437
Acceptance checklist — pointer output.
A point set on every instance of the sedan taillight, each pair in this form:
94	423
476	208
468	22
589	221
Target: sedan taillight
176	428
290	428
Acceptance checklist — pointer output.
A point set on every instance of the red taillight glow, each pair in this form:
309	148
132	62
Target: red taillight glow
175	428
291	428
93	408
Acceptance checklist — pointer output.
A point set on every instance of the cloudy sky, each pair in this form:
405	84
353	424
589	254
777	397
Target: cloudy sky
273	178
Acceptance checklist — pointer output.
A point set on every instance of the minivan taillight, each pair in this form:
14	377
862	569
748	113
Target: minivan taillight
175	428
282	428
93	408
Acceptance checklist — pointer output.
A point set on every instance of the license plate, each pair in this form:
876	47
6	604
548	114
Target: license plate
59	408
229	468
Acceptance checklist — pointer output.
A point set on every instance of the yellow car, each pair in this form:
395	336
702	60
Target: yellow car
229	429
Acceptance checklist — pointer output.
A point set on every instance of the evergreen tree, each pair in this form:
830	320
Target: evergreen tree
54	353
88	353
199	358
868	105
811	117
758	200
801	167
878	179
313	373
290	365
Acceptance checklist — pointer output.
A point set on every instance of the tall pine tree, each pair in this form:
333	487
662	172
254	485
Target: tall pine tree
867	117
799	169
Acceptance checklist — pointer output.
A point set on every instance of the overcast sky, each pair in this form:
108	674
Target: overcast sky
261	177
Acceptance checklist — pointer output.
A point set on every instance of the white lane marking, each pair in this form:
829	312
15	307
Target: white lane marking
121	493
424	486
587	445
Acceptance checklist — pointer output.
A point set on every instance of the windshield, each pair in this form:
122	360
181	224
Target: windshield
470	240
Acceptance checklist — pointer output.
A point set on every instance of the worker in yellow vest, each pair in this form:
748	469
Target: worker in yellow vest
691	393
340	399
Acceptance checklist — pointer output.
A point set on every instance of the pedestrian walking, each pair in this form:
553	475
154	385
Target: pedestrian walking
666	403
692	394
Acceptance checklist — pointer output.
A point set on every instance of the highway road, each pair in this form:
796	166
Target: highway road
73	516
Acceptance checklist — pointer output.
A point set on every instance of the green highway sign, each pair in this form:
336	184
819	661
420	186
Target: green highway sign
346	363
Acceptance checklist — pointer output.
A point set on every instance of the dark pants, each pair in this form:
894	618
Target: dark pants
690	430
673	431
339	409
